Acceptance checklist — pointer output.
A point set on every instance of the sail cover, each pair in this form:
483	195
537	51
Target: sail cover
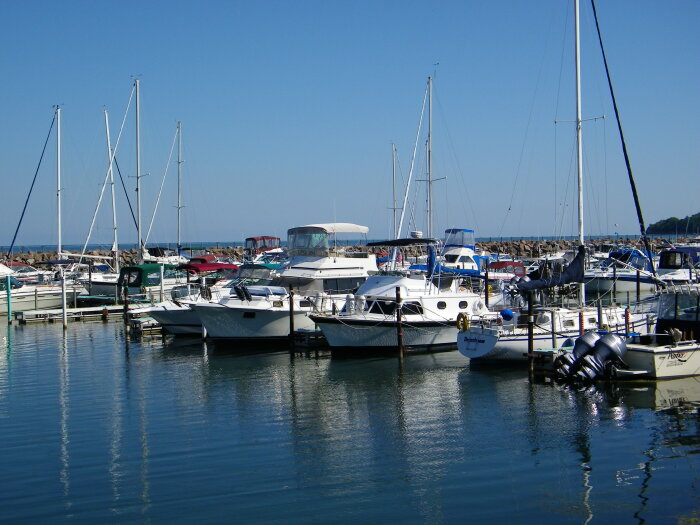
573	273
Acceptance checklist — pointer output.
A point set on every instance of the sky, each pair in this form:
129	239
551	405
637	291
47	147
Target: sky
289	111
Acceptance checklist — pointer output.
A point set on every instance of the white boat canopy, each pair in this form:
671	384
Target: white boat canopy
340	227
4	270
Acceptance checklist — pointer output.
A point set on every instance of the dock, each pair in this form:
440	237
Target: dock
87	313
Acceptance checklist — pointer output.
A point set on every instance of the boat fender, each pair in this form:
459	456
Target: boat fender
246	293
463	322
239	293
507	314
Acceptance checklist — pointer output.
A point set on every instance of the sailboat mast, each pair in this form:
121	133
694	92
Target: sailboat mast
138	165
430	157
579	139
179	184
393	189
110	157
59	245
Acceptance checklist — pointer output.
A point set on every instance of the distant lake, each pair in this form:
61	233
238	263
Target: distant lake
97	426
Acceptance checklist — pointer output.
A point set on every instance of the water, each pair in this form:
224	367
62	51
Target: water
96	426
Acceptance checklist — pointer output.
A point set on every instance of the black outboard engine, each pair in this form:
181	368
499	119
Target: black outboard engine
608	350
567	364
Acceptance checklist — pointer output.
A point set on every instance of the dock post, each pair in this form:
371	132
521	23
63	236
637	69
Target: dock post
8	291
639	286
486	285
530	334
36	298
162	290
600	314
399	328
581	327
627	321
554	329
126	307
64	314
291	317
614	286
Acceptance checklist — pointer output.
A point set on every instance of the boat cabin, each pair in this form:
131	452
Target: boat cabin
142	276
256	245
679	309
686	257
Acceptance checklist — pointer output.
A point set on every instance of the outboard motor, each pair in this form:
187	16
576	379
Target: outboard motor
567	364
608	350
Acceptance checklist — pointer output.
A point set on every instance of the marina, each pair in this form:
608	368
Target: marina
347	263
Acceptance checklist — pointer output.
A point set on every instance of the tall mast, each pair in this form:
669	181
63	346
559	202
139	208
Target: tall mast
430	157
110	157
59	245
393	188
579	140
179	184
138	166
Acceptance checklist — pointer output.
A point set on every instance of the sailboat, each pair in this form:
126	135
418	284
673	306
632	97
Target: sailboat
506	338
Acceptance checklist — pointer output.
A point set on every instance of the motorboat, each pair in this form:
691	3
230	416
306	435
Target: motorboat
423	305
24	296
176	315
317	277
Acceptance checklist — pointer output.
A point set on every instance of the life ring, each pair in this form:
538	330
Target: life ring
463	322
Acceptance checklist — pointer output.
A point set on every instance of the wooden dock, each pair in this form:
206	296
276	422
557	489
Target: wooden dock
88	313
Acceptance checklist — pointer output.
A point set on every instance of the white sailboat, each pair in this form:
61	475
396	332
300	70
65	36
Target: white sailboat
506	338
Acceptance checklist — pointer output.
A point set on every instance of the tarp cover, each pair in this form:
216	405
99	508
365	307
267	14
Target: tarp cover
573	273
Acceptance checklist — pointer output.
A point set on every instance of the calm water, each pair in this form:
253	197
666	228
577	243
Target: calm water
97	427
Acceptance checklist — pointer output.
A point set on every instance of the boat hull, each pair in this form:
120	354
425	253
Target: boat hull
365	335
663	362
177	321
223	322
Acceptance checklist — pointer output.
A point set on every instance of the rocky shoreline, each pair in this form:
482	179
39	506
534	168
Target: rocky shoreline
517	249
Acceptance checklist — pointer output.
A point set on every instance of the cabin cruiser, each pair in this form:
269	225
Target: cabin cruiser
317	277
423	304
623	271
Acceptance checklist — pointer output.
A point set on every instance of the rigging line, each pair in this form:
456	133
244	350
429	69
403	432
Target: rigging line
522	150
31	188
104	184
640	218
413	158
162	183
126	193
453	151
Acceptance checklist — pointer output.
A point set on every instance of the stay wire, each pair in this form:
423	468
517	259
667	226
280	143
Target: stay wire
31	188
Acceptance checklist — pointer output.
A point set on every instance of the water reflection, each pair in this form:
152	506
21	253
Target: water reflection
263	435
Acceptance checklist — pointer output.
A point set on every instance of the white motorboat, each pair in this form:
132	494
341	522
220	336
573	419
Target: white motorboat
33	296
320	274
623	272
177	317
431	299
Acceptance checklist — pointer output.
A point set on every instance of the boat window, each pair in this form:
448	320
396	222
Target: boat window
463	305
304	303
312	243
451	258
441	305
687	307
383	307
411	308
667	306
346	285
568	323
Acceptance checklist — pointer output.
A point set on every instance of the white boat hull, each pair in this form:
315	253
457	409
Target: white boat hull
177	320
369	334
39	299
663	362
223	322
494	344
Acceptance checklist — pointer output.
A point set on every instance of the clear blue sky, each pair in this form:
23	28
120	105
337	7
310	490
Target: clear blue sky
289	109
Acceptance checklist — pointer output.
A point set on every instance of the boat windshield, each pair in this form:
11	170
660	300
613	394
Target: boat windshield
681	306
14	284
308	241
457	237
